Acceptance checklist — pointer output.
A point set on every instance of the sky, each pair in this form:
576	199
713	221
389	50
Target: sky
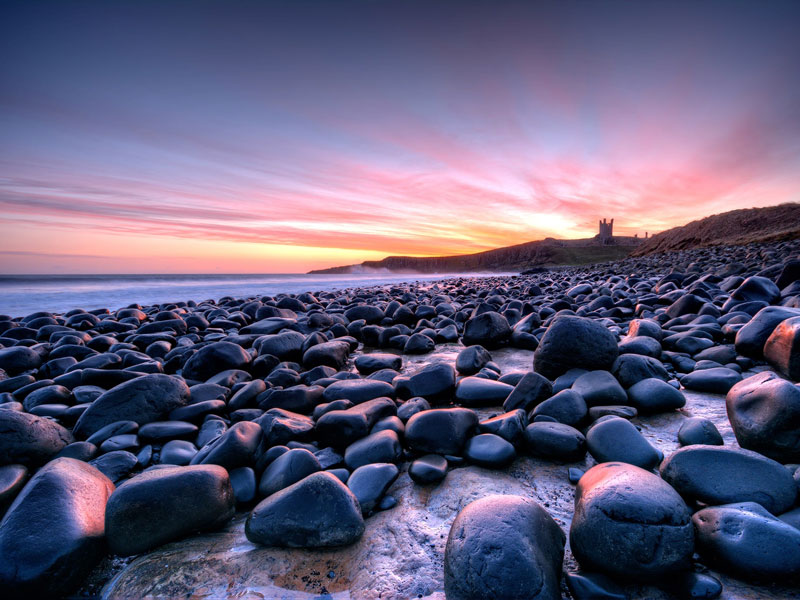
269	137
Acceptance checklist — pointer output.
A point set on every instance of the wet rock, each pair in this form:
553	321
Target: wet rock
288	469
764	413
282	426
782	348
358	391
428	469
419	343
695	586
636	513
18	359
489	329
215	358
477	392
29	440
472	359
160	431
616	439
748	541
177	452
598	388
718	475
697	430
330	354
503	547
629	369
163	505
116	465
567	407
316	512
53	533
12	478
490	451
370	482
717	380
144	399
555	441
435	382
370	363
510	426
340	428
574	342
529	392
650	396
380	447
750	339
440	431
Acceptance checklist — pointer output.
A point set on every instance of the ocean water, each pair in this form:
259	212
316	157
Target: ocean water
22	295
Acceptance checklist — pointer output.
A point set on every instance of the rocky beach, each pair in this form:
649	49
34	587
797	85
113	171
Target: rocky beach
621	430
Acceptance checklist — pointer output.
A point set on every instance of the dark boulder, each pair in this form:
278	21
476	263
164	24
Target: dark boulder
289	468
440	431
163	505
531	390
478	391
490	451
489	329
572	341
53	533
370	363
318	511
651	396
599	388
435	382
635	513
215	358
555	441
472	359
144	399
697	430
503	547
782	348
751	338
370	482
431	468
29	440
617	439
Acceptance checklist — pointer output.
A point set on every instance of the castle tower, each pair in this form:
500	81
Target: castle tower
606	231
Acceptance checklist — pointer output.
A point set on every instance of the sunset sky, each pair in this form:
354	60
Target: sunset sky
157	137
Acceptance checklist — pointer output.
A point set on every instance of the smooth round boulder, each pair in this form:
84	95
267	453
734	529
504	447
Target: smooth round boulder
617	439
431	468
555	441
379	447
440	431
30	440
472	359
747	541
572	341
630	524
632	368
289	468
370	482
215	358
490	451
54	532
435	382
697	430
509	426
750	339
358	391
318	511
478	392
18	359
651	396
529	392
716	380
503	547
599	388
235	448
567	407
489	329
782	348
143	400
330	354
375	361
720	475
764	413
165	504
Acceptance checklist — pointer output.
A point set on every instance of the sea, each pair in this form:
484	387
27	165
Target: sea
21	295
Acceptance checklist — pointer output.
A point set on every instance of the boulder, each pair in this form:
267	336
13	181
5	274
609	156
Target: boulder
572	341
503	547
782	348
630	524
489	329
215	358
441	430
29	440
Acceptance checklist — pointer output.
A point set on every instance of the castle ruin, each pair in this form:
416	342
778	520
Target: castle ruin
606	232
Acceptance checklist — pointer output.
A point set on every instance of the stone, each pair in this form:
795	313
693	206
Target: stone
29	440
419	343
160	431
370	482
503	547
629	369
427	469
697	430
764	413
694	585
510	426
358	391
215	358
472	359
380	447
585	585
615	439
599	388
53	533
341	428
440	431
235	448
555	441
18	359
490	451
436	382
750	339
115	465
719	475
489	329
651	396
12	478
567	407
318	511
166	504
717	380
375	361
143	400
630	524
177	452
782	348
282	426
331	354
297	398
529	392
572	341
746	540
289	468
478	392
